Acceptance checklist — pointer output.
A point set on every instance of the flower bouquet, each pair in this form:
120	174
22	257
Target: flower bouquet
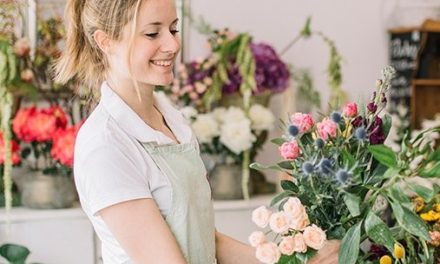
227	133
354	187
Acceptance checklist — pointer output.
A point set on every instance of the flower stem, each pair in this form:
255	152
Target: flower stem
245	174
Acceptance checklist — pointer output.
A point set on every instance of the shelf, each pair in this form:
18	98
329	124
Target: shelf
22	214
426	82
429	26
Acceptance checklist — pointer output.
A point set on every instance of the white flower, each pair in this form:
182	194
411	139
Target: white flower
205	127
188	112
232	115
237	136
261	117
416	162
218	113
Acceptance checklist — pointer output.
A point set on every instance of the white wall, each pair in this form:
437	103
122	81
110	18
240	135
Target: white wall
359	29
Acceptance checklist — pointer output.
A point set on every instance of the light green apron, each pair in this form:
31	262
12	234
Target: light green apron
191	216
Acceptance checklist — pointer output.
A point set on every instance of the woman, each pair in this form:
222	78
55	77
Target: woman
137	167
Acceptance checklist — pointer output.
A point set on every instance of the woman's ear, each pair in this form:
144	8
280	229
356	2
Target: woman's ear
102	40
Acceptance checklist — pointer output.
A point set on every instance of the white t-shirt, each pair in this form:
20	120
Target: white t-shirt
111	166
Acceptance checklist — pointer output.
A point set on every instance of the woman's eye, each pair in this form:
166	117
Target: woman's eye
175	31
151	35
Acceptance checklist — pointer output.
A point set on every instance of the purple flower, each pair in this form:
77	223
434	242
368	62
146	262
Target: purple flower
376	132
271	72
372	107
357	122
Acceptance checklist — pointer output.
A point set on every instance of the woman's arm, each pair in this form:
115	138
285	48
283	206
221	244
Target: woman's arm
231	251
142	232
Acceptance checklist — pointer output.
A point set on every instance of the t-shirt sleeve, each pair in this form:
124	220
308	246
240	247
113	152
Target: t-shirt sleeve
108	176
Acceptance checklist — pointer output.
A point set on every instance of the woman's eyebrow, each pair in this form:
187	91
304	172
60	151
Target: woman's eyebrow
160	23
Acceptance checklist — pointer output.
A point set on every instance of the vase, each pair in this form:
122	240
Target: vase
236	99
40	191
225	181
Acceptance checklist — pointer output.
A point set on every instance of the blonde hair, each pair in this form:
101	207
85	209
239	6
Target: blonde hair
82	59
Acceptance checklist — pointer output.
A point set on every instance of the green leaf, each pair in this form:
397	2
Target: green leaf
348	158
432	172
289	186
286	165
278	141
426	193
281	197
386	124
385	155
260	167
398	194
352	201
15	254
349	250
435	155
410	221
304	257
289	260
378	231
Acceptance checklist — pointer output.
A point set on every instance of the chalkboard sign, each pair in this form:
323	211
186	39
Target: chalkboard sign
404	47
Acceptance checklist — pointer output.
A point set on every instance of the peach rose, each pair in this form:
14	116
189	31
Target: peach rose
257	238
268	253
27	75
314	237
300	223
299	245
287	245
297	213
22	47
261	216
279	222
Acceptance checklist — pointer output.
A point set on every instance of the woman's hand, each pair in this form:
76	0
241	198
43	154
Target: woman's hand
328	254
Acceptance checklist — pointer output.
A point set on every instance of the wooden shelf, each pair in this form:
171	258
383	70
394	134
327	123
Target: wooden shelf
429	25
426	82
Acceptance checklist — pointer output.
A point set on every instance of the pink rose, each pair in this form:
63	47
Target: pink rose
43	126
22	47
304	122
257	238
327	128
314	237
268	253
14	147
64	144
261	216
289	150
350	110
279	222
287	245
27	75
299	245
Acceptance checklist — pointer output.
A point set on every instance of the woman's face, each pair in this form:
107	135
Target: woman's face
155	45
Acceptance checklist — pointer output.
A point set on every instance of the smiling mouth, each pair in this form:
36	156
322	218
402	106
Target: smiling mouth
162	63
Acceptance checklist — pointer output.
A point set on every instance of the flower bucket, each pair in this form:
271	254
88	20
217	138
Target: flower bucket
39	191
225	180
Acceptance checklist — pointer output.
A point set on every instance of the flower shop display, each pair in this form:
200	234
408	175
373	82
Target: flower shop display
47	150
355	188
235	64
25	78
227	133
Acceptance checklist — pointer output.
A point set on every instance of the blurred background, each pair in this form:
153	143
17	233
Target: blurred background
296	56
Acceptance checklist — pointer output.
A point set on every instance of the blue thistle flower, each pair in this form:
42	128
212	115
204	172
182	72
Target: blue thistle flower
293	130
336	117
308	168
360	133
325	166
342	176
319	143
